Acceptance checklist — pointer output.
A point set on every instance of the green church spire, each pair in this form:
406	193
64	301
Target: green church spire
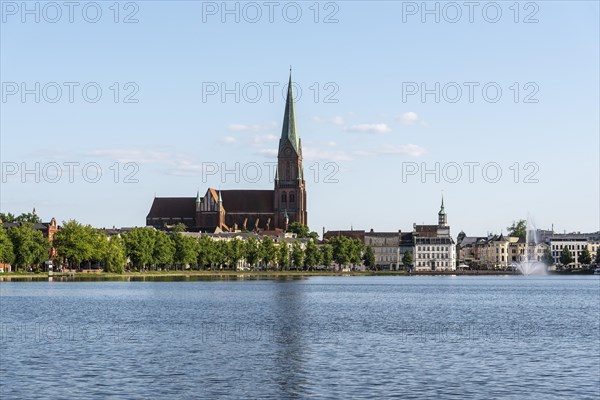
442	211
288	130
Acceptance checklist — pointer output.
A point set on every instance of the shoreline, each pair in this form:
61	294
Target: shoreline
239	274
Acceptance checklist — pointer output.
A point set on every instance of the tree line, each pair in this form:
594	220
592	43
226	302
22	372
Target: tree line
81	246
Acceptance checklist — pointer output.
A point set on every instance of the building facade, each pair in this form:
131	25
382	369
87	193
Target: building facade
576	243
386	248
246	210
434	248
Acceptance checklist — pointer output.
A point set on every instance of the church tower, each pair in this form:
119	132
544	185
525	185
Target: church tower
290	187
442	217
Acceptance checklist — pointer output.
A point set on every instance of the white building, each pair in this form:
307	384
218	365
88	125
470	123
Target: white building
576	243
434	248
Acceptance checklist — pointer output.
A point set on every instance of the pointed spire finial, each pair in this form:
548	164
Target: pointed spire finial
288	131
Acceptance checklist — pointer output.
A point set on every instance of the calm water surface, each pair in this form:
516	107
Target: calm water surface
318	337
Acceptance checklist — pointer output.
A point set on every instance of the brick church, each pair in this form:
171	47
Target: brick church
245	210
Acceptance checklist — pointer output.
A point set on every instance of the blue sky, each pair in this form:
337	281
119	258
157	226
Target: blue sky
365	127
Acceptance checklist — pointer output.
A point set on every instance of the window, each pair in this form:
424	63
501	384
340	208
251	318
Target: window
283	198
292	197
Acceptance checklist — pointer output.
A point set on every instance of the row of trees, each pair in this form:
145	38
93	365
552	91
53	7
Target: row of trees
82	246
25	217
23	246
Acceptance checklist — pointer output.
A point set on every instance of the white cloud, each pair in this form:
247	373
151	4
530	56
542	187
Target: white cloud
185	168
411	150
178	164
251	127
260	139
137	156
310	153
268	153
370	128
337	120
408	118
229	140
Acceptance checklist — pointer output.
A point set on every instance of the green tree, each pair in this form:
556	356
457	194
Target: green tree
252	251
312	257
178	228
565	256
268	251
186	250
163	251
356	251
585	258
76	243
206	252
31	218
407	259
237	252
283	256
341	249
547	257
221	253
99	242
518	229
326	255
297	255
369	257
598	256
299	229
115	258
139	246
30	247
7	255
9	217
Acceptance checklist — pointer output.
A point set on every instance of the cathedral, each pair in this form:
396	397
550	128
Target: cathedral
245	210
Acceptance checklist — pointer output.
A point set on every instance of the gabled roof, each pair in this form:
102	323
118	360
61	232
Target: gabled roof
383	234
38	226
426	230
248	201
214	194
173	207
470	240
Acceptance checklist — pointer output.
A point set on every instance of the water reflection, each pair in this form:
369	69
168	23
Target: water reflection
150	278
291	333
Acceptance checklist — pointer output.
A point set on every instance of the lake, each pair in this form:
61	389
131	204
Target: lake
500	337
